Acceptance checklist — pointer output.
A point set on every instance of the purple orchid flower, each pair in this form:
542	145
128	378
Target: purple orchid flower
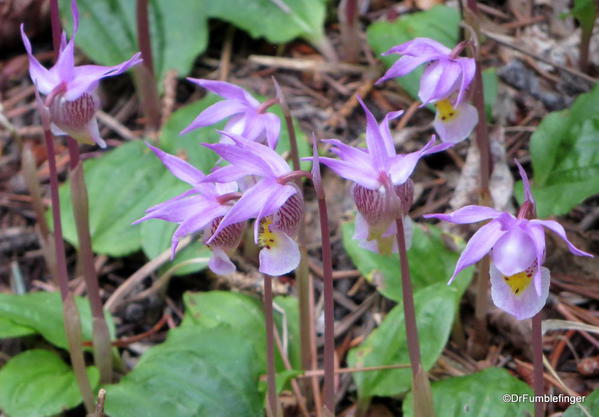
247	116
200	209
275	203
517	247
444	82
70	90
380	179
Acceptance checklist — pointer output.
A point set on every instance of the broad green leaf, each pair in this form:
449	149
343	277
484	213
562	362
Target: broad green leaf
478	395
430	261
42	313
277	21
590	402
565	157
108	33
436	306
197	371
245	314
440	23
9	329
37	383
121	184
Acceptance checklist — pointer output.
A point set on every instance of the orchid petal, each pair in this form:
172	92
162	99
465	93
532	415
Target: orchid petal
429	81
386	131
178	167
527	193
277	166
224	174
86	77
558	229
226	90
247	163
280	259
460	126
402	166
351	154
478	246
537	234
419	46
448	81
374	140
365	177
521	306
220	263
468	67
178	209
272	127
215	113
467	214
404	66
44	80
514	252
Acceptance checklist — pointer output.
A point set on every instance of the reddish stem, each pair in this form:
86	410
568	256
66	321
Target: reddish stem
270	345
408	300
537	361
143	35
56	27
329	309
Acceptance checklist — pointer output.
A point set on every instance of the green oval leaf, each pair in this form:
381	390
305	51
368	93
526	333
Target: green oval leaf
565	157
42	313
436	306
479	394
197	371
37	383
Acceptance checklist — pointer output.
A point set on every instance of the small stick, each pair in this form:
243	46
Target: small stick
270	348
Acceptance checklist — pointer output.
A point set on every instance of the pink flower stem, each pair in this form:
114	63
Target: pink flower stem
423	406
270	347
480	336
56	27
71	317
146	82
306	321
329	317
537	362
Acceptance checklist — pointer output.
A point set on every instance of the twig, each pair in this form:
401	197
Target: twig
114	301
299	64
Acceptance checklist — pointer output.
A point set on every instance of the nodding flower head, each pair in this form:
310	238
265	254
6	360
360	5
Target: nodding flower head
70	89
444	82
247	116
199	210
275	203
519	282
381	190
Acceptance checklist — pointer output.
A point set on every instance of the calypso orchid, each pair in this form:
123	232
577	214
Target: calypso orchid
444	82
199	209
517	247
273	200
382	190
247	116
70	90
